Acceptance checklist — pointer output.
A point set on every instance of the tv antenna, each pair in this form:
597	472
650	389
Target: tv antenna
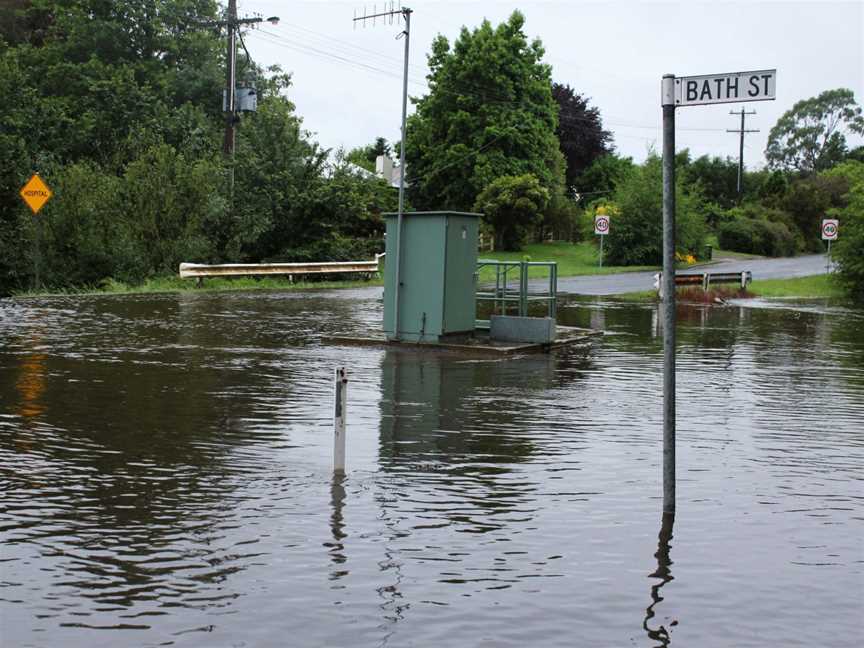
390	11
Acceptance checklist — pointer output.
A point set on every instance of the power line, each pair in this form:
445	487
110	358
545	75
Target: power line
485	95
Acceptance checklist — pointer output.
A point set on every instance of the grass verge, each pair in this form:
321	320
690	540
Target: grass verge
823	286
211	284
573	259
812	287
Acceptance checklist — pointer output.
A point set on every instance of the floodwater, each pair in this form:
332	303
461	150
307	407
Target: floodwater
165	480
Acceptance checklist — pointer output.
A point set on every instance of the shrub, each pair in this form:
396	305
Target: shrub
635	235
757	236
850	243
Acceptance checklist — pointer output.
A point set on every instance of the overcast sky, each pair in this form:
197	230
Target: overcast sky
347	81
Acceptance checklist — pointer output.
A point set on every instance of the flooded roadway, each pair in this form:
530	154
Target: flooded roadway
165	480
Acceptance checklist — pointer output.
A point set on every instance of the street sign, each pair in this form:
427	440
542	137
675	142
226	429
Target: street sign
36	193
732	87
830	227
601	224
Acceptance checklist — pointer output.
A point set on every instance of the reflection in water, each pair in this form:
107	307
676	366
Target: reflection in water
664	573
31	381
337	527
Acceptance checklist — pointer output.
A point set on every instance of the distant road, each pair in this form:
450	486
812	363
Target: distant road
613	284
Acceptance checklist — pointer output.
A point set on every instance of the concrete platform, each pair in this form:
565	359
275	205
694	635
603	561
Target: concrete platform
479	343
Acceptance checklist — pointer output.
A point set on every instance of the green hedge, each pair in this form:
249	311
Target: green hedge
756	236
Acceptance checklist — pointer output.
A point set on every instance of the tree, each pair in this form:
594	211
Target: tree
847	248
811	136
512	205
717	178
489	113
807	200
603	176
636	234
580	132
117	105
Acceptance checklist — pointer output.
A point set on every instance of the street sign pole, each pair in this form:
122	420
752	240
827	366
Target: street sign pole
36	194
601	249
830	227
601	229
668	103
732	87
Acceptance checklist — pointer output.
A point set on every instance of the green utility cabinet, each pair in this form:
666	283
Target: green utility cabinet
437	277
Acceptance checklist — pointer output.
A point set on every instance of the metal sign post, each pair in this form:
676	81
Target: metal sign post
733	87
830	228
668	287
36	193
601	228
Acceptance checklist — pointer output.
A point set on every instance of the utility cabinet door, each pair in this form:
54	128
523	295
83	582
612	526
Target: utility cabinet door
421	294
460	288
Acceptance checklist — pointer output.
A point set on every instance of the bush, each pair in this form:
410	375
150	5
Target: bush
561	220
335	248
850	243
756	236
635	236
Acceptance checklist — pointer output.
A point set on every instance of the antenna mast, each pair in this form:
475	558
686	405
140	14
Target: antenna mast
399	12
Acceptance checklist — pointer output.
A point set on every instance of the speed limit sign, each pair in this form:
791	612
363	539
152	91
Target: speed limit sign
601	224
829	229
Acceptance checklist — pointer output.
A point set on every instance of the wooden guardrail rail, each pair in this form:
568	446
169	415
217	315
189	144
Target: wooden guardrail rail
200	270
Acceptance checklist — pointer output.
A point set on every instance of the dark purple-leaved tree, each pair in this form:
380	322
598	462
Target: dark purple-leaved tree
580	132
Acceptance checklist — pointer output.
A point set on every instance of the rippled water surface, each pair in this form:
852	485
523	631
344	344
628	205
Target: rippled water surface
165	480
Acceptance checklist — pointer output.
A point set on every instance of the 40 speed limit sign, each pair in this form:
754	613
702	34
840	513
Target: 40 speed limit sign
601	224
829	229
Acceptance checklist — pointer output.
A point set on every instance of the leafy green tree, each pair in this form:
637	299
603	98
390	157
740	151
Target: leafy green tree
717	179
807	200
811	136
603	176
489	113
635	236
580	132
117	105
770	186
856	154
847	248
512	206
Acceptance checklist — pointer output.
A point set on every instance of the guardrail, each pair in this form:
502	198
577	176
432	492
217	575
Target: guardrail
200	271
705	279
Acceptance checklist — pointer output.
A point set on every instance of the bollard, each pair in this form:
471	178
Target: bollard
339	421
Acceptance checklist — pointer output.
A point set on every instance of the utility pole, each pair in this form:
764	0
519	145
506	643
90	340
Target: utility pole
403	12
232	25
231	82
741	147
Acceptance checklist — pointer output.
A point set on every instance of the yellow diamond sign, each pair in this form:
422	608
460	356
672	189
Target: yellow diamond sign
36	193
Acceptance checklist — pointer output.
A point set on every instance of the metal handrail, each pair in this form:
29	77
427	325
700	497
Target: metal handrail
504	294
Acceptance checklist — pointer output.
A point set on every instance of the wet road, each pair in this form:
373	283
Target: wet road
614	284
165	480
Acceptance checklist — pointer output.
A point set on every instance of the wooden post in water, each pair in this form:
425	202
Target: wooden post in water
339	420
